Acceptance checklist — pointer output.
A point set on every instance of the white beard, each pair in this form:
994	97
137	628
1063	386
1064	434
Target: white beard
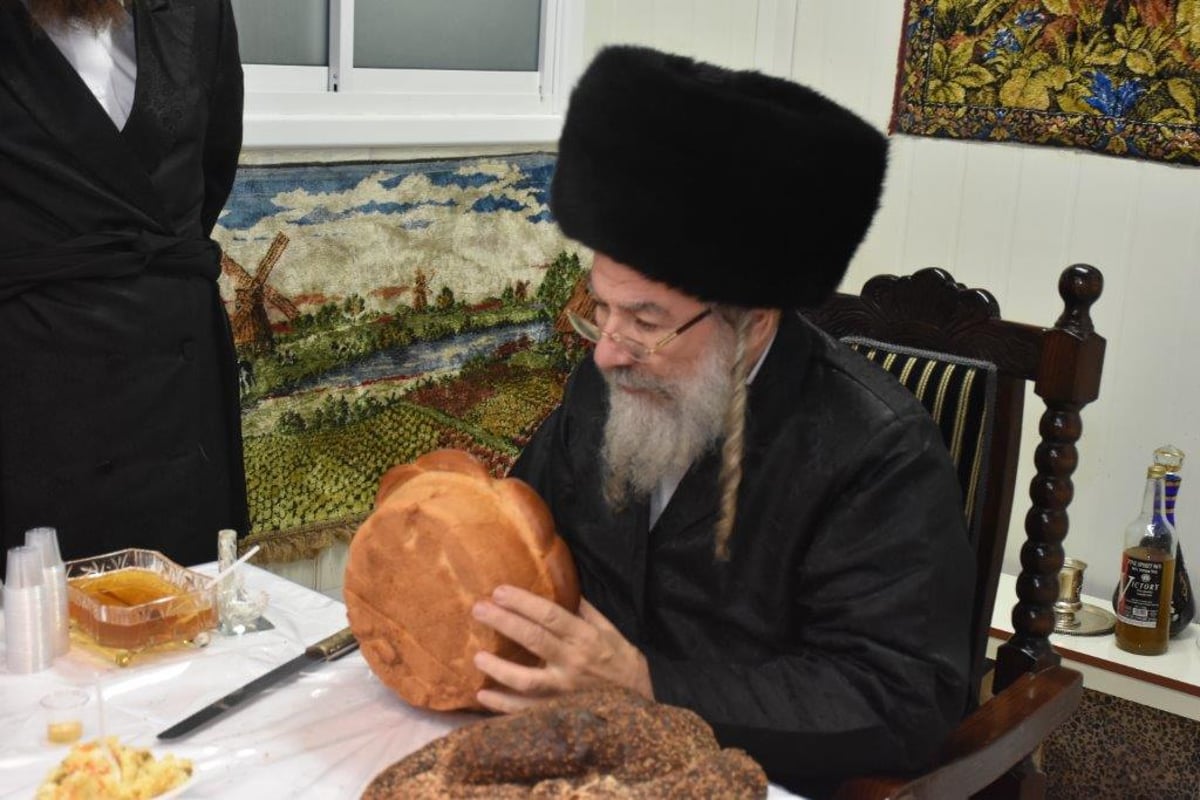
649	438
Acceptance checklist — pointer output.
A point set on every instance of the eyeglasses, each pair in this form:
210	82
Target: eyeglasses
640	352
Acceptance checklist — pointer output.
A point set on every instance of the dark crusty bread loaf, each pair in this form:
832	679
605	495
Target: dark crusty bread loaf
604	743
444	534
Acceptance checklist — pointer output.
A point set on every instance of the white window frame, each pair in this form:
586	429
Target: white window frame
345	106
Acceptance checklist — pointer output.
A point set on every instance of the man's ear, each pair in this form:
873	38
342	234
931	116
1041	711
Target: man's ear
763	323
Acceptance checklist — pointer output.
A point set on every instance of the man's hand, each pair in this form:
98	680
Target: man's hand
580	652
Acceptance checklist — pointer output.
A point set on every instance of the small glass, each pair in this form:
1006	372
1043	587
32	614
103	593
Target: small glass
238	609
63	711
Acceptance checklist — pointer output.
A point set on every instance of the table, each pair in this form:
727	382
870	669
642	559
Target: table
324	734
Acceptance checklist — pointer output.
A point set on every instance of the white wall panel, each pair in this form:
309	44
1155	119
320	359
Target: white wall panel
883	249
1040	222
775	36
673	20
810	53
618	22
722	31
987	213
881	42
930	210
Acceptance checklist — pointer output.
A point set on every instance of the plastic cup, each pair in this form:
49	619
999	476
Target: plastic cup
63	710
45	541
24	567
28	643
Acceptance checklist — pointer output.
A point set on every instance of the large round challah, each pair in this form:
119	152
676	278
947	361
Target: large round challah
605	744
444	533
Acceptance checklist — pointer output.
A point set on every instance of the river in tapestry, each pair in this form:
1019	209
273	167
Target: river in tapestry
382	310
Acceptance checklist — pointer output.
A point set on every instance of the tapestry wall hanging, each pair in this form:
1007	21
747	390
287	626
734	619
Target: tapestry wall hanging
1120	77
382	310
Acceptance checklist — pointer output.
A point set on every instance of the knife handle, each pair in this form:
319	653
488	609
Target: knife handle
333	646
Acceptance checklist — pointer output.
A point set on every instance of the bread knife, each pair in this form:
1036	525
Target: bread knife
328	649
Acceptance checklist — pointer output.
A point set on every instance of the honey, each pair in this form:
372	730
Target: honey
127	587
133	608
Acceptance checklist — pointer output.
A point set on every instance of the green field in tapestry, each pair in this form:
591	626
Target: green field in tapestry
296	478
333	404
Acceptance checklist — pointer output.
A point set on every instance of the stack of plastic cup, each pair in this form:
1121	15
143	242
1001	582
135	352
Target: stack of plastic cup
59	621
28	643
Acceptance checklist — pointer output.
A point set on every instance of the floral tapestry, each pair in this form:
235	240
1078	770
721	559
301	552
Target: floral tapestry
1120	77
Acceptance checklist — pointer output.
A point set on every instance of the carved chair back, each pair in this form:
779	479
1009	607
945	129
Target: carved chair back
971	368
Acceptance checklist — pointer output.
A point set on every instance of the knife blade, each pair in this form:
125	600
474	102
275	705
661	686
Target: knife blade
328	649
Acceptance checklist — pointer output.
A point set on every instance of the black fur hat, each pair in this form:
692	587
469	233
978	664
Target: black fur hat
735	187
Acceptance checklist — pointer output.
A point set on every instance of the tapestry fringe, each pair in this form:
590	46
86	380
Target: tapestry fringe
300	543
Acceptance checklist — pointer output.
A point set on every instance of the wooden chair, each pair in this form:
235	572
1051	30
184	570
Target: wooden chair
970	368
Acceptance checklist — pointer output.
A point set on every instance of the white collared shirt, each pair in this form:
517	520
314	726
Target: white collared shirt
106	60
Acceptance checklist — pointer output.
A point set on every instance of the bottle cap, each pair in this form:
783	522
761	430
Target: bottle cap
1170	457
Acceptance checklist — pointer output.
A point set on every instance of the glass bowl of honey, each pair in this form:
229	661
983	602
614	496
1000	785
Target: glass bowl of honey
133	600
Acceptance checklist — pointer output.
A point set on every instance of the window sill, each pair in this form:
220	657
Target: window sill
382	130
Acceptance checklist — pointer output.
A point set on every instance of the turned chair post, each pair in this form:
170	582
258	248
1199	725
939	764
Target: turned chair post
1068	378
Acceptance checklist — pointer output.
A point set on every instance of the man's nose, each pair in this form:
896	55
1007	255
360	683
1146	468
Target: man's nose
609	354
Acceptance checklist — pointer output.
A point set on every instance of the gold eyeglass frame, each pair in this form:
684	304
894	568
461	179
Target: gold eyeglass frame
639	352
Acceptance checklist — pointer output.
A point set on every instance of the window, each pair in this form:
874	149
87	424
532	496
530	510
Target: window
407	72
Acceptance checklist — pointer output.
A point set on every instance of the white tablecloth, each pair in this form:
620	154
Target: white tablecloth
324	734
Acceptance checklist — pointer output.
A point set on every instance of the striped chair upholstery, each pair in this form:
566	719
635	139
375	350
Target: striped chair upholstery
960	394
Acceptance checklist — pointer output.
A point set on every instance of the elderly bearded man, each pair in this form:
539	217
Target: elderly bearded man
767	527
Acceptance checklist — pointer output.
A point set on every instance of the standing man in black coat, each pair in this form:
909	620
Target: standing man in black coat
767	527
120	128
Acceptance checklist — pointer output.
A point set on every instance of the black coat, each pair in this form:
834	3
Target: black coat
119	421
835	641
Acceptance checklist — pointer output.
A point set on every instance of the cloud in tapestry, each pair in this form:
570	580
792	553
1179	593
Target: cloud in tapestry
474	224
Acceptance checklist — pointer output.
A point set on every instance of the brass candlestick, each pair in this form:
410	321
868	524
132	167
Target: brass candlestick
1070	614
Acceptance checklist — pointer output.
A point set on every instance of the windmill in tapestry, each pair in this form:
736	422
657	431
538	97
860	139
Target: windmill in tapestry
383	310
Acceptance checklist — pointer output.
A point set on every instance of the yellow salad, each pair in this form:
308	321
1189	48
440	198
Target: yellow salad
107	770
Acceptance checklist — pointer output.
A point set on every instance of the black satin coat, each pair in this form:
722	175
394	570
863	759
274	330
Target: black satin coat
835	641
119	420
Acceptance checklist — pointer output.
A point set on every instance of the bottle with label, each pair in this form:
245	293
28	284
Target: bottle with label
1183	602
1147	573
